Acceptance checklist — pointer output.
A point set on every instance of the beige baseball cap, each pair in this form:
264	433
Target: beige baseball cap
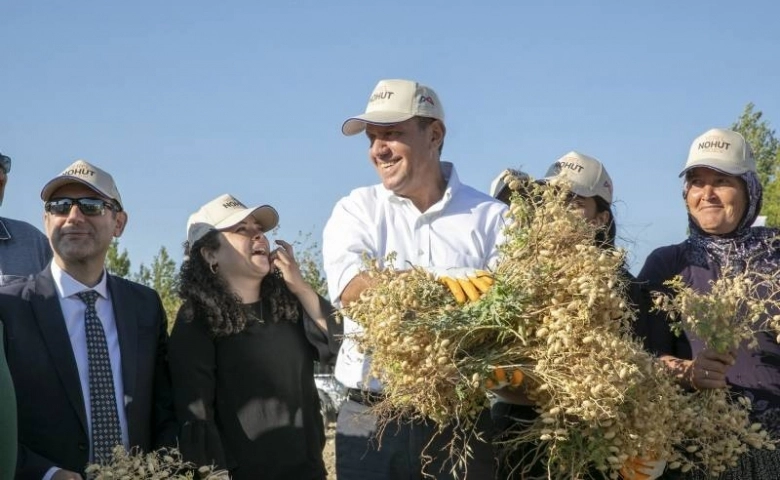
224	212
586	175
85	173
722	150
498	185
395	101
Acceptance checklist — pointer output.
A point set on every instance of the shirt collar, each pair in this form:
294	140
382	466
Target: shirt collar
67	286
4	233
450	176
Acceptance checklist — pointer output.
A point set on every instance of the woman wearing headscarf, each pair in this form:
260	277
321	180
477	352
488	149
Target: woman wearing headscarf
591	194
722	195
243	348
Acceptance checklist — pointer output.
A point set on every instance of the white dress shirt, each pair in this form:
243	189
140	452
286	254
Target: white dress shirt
462	229
74	309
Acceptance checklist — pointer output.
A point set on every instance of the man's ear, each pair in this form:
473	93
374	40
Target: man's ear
438	131
121	223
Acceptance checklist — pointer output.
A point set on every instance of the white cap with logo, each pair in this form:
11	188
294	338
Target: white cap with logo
723	150
498	186
85	173
224	212
395	101
586	175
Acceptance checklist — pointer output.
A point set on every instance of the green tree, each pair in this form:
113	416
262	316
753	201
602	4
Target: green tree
766	150
771	207
762	140
309	257
117	263
161	276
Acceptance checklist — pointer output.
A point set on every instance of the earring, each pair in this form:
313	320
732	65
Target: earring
214	267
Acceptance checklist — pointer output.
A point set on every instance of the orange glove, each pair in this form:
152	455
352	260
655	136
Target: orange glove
502	377
642	468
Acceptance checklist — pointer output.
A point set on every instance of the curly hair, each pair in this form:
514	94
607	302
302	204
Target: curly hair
210	295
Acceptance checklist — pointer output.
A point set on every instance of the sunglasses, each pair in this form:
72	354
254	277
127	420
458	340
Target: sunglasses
90	207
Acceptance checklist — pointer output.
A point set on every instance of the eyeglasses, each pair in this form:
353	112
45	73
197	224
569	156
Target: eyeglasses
5	163
91	207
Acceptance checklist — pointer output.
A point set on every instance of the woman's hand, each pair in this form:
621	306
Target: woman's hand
708	370
283	258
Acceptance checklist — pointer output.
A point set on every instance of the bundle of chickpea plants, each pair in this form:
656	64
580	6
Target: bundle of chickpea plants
160	464
728	318
556	325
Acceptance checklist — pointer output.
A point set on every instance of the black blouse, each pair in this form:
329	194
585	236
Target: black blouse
248	401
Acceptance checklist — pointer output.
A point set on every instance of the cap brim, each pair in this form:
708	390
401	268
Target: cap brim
58	182
355	125
574	188
266	215
717	165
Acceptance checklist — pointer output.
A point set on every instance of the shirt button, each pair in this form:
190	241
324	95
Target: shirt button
420	253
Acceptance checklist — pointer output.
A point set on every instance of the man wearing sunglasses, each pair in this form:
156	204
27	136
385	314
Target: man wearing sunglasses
86	349
24	250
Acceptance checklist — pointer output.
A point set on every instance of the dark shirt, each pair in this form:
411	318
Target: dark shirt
756	373
248	401
7	416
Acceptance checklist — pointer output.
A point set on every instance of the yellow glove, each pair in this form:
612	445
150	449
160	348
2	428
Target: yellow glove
502	377
465	283
642	468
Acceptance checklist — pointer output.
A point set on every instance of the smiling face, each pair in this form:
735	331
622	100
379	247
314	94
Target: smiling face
243	252
406	157
77	239
716	201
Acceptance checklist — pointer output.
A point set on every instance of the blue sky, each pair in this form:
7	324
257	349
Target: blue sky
185	100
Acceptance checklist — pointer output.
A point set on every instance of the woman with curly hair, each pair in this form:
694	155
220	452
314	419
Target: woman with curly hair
243	348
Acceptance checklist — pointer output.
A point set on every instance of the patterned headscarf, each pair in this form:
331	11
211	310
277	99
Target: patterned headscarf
757	246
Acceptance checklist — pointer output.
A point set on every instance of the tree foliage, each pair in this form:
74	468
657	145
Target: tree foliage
162	277
309	257
117	263
766	150
761	139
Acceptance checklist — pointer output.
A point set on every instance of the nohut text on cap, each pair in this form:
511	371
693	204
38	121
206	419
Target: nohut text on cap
586	176
723	150
395	101
87	174
224	212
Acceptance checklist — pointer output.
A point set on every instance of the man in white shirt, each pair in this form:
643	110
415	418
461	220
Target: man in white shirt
86	350
422	212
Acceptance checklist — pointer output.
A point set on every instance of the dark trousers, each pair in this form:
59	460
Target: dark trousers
398	454
523	462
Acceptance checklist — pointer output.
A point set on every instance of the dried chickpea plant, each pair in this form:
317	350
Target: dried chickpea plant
725	319
558	319
731	314
157	465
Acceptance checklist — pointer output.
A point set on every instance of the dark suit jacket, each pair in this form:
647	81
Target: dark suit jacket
52	417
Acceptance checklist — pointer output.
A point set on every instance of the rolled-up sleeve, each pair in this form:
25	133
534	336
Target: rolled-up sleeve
347	240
